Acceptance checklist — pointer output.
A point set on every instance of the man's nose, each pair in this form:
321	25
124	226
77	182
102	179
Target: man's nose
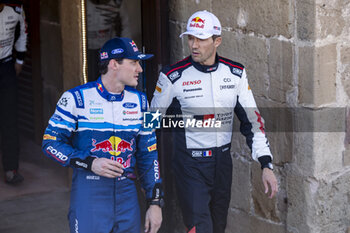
195	43
139	68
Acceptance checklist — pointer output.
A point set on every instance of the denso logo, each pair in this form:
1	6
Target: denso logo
188	83
52	151
129	105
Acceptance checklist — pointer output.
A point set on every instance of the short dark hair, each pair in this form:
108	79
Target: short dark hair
215	36
103	65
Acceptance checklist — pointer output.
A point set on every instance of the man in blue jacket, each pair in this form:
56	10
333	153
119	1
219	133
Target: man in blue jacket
97	130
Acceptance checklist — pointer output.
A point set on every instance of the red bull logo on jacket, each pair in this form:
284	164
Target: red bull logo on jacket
114	145
197	22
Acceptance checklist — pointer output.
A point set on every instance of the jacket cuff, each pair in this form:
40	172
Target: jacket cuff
157	192
82	163
264	160
20	55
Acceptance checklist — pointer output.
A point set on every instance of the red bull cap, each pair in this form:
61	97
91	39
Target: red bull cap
203	25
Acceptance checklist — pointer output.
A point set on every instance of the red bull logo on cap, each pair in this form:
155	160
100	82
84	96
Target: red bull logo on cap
197	22
114	145
133	45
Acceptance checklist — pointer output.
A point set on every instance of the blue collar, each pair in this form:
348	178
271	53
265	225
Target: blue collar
105	94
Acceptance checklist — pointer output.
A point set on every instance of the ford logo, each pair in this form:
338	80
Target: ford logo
117	51
129	105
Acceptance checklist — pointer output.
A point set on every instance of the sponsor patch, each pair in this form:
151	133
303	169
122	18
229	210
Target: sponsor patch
56	154
193	89
174	75
92	177
189	83
207	153
223	87
63	101
129	105
117	51
49	137
96	110
196	153
130	112
152	148
79	99
104	55
237	71
156	170
134	47
158	89
56	117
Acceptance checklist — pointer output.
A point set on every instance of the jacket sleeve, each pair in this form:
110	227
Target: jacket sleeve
163	94
21	42
147	163
252	124
57	139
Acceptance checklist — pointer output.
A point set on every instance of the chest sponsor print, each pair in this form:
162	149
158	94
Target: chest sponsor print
114	145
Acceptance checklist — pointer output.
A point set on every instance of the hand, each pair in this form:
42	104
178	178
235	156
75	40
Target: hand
153	219
269	178
18	68
107	167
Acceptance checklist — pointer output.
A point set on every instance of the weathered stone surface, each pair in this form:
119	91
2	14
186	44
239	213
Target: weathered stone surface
280	65
177	45
306	14
281	145
306	75
325	74
317	74
328	148
345	74
242	222
253	54
180	10
303	152
329	19
269	18
329	208
346	155
298	200
240	194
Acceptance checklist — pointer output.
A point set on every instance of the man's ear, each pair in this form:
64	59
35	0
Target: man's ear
112	64
217	41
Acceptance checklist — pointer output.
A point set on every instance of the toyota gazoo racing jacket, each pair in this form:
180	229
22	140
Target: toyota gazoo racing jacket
9	17
213	93
91	122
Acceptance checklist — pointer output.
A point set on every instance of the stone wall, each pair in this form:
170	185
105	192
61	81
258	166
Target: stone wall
297	56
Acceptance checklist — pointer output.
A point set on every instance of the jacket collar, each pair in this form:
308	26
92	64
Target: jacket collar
204	68
105	94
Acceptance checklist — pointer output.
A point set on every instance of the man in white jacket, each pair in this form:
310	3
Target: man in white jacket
11	13
211	89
